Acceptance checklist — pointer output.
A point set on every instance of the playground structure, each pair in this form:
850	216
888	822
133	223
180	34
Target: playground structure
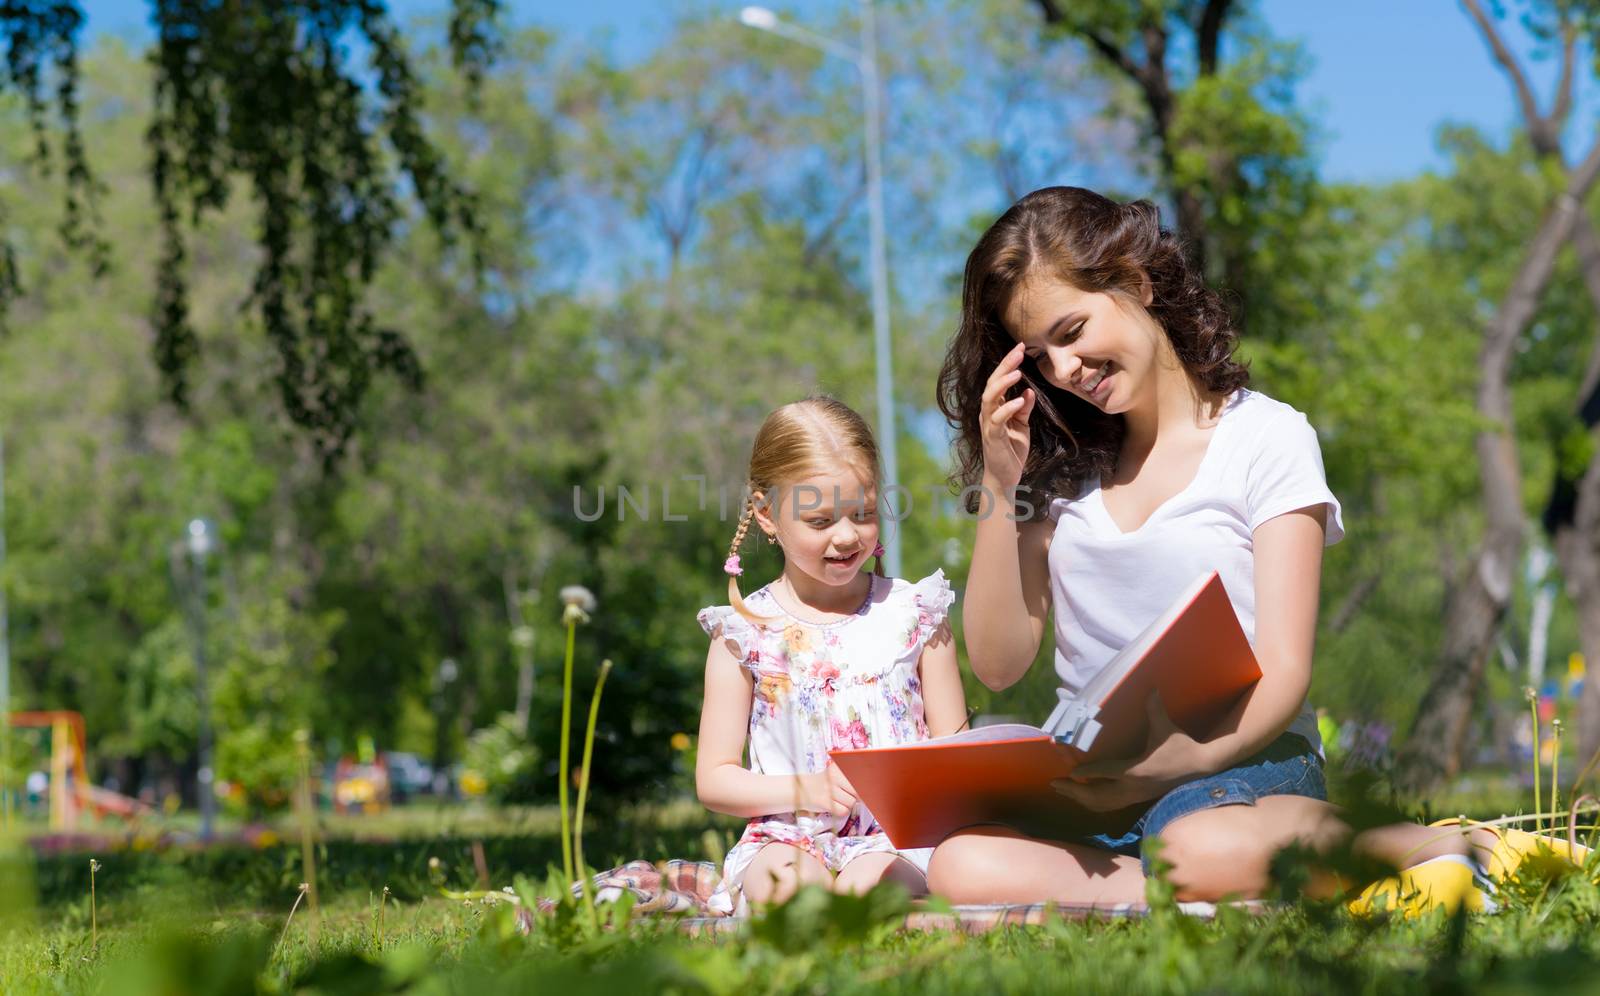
70	789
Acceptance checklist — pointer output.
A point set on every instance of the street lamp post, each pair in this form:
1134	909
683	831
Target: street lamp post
865	59
199	541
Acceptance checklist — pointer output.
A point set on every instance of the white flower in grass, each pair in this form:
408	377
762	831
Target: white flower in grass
579	602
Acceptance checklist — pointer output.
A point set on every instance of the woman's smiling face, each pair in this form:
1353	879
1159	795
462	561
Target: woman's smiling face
1098	346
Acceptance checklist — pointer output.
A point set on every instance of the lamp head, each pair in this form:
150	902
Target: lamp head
758	17
201	538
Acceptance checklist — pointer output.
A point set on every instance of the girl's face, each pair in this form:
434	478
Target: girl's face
827	524
1099	346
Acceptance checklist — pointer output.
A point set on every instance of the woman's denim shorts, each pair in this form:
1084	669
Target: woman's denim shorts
1287	766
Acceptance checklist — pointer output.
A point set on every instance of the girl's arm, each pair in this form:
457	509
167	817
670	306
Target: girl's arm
944	704
1007	601
721	780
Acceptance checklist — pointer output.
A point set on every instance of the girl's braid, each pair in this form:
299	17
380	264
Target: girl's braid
744	524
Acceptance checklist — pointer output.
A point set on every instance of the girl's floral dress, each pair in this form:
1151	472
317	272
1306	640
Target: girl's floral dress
849	683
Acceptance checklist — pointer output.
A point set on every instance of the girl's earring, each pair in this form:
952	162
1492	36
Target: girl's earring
771	539
878	550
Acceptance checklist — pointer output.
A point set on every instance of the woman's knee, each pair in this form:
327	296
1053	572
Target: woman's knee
963	863
1212	856
1228	851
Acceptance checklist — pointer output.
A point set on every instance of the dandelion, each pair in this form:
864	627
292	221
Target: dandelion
304	888
583	783
94	919
1538	801
308	861
436	872
377	921
680	741
1555	770
579	602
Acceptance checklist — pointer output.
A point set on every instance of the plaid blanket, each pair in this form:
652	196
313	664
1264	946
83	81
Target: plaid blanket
682	888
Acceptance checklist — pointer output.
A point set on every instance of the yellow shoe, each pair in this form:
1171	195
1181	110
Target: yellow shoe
1517	846
1444	882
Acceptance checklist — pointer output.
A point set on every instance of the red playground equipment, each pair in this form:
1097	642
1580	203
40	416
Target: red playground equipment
70	788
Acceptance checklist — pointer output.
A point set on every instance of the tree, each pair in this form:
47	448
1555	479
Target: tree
1572	514
1478	602
266	93
1231	146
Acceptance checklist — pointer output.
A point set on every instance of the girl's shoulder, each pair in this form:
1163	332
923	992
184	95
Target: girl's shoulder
933	590
728	623
926	603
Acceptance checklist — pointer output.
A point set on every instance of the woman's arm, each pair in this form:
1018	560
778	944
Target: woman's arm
721	780
944	704
1008	585
1007	602
1288	581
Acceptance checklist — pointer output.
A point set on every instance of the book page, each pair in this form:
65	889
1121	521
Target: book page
984	734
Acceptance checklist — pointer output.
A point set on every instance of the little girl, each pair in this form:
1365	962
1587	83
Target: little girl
824	657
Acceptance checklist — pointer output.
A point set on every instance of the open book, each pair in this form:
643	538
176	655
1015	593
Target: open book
1195	654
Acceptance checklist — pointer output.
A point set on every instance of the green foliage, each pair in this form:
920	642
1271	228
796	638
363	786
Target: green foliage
1244	147
508	764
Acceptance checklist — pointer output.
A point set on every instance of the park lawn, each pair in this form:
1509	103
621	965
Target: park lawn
213	921
164	939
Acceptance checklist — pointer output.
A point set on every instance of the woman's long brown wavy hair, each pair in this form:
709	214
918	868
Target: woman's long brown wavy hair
1094	244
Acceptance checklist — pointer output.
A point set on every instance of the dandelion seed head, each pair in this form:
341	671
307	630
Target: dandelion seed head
579	596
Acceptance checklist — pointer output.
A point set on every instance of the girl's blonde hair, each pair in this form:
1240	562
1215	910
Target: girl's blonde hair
810	436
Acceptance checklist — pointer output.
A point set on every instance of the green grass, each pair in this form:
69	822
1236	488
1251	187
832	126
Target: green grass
438	946
187	922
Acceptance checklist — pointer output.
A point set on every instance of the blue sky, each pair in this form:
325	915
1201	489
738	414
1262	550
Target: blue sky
1385	73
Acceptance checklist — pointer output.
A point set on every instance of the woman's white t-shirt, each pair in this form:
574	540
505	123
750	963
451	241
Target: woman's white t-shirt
1262	461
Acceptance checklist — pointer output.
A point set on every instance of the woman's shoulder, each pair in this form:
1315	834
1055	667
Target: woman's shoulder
1267	422
1250	405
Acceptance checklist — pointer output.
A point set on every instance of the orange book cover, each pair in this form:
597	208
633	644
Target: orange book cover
1195	653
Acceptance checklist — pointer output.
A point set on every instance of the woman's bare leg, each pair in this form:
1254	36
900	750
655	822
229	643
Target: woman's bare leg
866	871
778	871
996	865
1407	844
1227	851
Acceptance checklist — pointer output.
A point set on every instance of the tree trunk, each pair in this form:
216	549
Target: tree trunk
1474	612
1580	566
1572	515
1154	81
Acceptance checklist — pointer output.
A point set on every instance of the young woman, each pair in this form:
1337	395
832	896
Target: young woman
1093	379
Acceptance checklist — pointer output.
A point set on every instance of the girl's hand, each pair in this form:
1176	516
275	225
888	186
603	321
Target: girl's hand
1171	757
1004	424
828	791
